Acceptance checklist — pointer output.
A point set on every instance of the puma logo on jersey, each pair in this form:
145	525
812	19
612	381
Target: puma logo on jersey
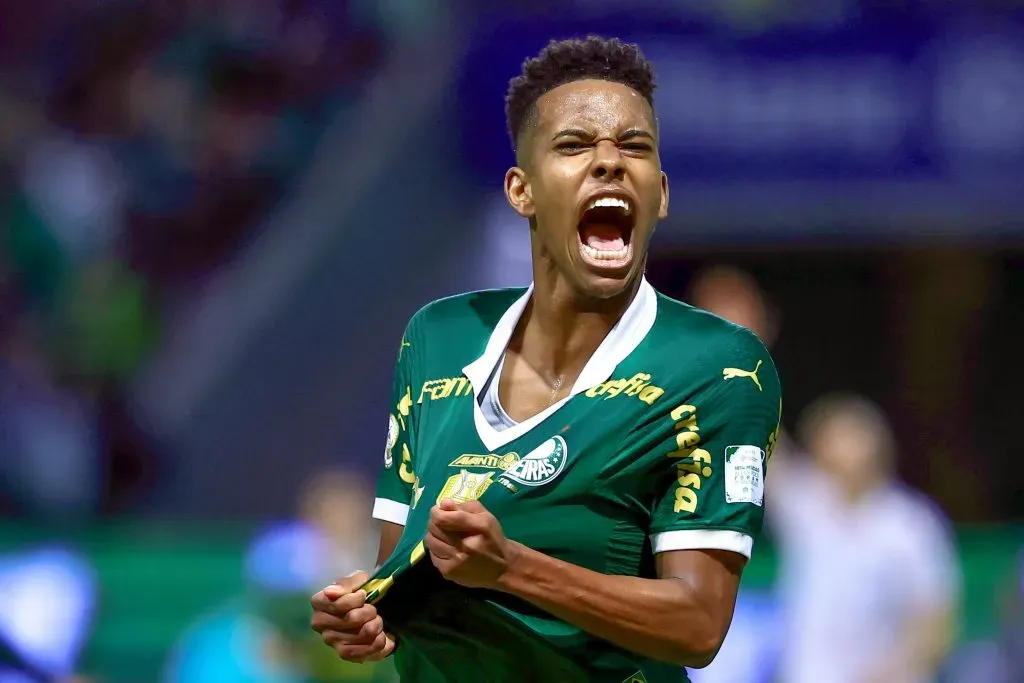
733	373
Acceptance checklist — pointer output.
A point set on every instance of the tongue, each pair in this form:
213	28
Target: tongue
602	236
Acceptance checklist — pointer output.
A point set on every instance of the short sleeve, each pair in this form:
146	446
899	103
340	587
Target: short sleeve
714	451
397	482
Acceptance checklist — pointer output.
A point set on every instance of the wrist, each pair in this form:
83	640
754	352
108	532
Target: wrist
515	554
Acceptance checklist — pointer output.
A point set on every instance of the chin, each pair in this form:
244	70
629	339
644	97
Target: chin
604	286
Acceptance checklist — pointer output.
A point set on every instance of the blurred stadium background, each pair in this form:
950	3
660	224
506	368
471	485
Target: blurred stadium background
217	215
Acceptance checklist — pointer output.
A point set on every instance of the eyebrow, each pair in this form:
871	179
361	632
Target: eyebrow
630	134
634	133
573	133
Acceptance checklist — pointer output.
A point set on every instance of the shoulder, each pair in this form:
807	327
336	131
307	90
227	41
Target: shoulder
479	310
918	512
697	341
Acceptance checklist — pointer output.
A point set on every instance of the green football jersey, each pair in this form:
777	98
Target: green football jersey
661	445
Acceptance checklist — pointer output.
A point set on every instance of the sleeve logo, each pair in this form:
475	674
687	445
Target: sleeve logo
744	475
733	373
389	459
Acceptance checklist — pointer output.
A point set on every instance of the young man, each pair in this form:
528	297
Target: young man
573	477
870	580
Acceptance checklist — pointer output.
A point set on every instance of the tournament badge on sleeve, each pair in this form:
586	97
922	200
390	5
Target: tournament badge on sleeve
744	475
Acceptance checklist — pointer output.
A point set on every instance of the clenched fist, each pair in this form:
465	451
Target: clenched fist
467	545
348	624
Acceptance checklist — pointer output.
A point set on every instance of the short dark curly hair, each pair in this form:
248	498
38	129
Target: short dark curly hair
574	59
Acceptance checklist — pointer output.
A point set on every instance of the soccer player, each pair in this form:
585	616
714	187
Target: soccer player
573	476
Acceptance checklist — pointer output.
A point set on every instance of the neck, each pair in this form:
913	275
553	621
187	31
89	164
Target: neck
854	492
560	329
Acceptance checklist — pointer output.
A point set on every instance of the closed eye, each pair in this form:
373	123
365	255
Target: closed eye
572	147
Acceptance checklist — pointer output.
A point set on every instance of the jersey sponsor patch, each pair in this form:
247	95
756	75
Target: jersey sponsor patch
465	486
541	465
744	475
389	460
492	461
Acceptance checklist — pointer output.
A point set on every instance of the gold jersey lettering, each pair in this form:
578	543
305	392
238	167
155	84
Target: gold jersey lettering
490	462
446	387
639	386
774	436
694	463
405	469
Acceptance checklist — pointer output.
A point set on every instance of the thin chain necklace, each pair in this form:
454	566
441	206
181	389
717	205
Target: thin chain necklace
555	386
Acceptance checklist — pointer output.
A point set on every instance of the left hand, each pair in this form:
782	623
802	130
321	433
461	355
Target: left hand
467	545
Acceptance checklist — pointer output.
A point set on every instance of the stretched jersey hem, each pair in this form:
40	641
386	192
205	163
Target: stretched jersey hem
387	510
703	539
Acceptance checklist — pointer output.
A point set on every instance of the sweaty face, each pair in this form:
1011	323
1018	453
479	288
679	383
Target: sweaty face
591	180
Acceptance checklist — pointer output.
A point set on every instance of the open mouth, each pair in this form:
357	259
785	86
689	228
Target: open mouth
605	229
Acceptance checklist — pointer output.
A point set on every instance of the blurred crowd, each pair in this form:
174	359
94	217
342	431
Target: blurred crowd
256	631
141	144
869	586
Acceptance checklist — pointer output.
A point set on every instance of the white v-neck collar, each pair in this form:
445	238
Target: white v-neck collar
623	338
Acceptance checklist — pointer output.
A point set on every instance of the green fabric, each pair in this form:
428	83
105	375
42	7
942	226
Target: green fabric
649	451
32	252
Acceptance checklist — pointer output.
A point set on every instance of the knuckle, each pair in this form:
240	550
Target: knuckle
359	616
346	604
317	622
372	628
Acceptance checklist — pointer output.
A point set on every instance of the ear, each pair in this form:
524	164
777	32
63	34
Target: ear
663	209
518	193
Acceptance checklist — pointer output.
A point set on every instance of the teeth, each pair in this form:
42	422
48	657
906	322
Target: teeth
606	255
610	202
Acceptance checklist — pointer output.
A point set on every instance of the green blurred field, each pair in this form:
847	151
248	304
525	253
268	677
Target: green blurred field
157	579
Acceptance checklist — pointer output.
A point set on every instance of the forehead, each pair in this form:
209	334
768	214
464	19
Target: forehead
593	104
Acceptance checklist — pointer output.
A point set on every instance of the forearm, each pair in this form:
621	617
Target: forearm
918	652
928	640
665	619
390	535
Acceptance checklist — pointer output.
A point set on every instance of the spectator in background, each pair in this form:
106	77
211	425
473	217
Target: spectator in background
735	295
869	578
263	635
140	146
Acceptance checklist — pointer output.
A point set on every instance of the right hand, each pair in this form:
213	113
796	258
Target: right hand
348	624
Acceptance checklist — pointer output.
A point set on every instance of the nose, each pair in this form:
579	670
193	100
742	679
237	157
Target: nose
607	162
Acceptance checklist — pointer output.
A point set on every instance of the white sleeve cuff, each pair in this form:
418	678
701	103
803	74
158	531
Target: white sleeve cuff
703	539
387	510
